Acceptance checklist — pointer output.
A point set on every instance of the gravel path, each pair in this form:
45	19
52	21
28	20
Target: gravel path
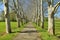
28	33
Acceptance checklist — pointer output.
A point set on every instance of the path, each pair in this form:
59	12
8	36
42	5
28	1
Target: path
28	33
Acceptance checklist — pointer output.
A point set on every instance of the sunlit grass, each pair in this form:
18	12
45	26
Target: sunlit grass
45	35
15	30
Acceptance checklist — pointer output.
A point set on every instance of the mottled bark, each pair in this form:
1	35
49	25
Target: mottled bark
51	26
7	16
51	12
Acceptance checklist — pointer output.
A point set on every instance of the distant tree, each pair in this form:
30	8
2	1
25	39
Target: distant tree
42	15
12	16
18	16
16	10
2	16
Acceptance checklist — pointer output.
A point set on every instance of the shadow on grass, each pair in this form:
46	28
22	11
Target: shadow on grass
1	34
58	37
16	32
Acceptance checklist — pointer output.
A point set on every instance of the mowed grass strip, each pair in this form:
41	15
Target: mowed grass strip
45	35
14	28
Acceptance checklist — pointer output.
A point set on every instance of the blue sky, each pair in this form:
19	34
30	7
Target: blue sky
58	13
1	7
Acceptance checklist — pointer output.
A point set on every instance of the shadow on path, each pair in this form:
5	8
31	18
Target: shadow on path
30	31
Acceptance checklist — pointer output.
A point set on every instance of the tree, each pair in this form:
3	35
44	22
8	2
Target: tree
18	16
7	16
38	12
12	16
16	9
51	11
42	15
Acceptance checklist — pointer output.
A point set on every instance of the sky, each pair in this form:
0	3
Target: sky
27	2
1	7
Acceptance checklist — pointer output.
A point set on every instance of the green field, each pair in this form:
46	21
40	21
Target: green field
15	30
45	35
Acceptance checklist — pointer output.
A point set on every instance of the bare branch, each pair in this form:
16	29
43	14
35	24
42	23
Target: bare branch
58	4
56	7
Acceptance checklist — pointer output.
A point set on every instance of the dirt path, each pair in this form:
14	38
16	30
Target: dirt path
28	33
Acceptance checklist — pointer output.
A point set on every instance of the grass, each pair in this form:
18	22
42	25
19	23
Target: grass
15	30
43	32
45	35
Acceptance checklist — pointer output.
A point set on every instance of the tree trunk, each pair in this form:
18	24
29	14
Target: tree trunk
51	12
18	20
42	16
7	16
51	25
18	13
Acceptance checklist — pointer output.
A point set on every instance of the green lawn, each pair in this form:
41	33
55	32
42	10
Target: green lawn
15	30
45	35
